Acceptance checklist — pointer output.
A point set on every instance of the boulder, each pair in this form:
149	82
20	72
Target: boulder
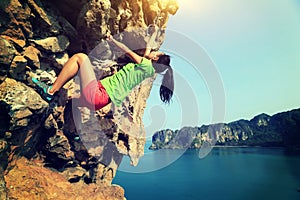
7	53
18	26
52	44
44	17
21	103
32	55
18	68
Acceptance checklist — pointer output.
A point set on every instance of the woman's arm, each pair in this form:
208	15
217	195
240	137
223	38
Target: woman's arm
151	42
135	57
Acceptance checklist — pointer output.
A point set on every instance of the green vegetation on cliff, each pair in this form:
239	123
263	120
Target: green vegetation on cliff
279	130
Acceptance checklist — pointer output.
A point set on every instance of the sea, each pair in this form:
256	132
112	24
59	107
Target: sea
233	173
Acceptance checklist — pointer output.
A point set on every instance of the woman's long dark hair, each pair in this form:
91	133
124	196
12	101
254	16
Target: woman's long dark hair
167	85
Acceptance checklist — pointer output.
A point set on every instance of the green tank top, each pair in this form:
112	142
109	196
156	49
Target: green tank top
119	85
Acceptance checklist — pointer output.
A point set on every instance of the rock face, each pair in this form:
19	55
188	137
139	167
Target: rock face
280	130
43	153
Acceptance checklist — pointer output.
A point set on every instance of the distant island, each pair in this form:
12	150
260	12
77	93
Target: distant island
279	130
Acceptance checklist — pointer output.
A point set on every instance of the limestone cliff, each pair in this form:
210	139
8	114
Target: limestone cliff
40	155
279	130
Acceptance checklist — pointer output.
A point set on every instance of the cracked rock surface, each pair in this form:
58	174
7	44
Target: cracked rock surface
44	153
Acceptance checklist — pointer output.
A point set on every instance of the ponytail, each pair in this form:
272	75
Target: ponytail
167	85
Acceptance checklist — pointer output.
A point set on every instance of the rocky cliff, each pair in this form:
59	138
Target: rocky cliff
41	155
280	130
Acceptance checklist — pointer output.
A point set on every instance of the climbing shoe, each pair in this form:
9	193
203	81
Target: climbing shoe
42	89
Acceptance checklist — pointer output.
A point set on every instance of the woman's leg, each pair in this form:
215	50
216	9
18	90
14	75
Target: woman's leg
77	63
93	94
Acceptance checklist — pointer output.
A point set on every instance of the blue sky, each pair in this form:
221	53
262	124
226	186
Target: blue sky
254	49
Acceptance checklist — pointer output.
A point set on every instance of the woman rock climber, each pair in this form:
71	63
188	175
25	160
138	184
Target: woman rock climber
115	88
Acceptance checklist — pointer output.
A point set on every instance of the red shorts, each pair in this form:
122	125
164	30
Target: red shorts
94	96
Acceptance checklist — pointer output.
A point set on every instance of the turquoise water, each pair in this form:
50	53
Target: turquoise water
226	173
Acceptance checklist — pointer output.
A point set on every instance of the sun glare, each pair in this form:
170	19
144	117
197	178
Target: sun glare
189	5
